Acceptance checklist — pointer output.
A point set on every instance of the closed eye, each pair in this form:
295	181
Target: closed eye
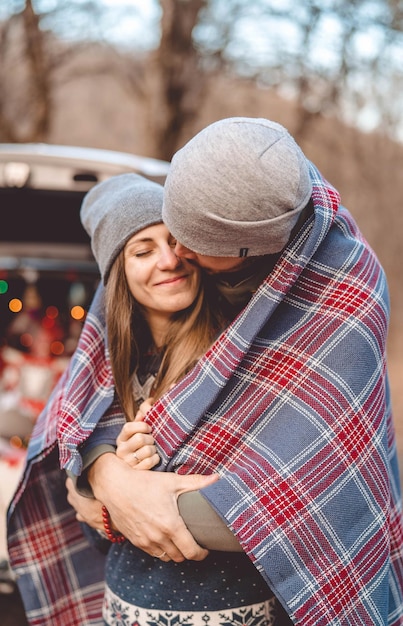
142	253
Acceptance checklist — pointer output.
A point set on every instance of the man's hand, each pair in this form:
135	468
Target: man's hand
143	506
87	510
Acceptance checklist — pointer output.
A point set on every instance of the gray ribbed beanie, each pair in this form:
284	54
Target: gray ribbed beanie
237	188
115	210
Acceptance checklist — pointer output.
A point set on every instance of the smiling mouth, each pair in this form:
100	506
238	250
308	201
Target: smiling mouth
174	279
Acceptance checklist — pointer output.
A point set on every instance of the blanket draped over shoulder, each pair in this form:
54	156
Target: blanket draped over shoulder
290	406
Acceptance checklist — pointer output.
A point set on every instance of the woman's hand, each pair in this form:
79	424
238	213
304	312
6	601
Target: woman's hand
135	446
143	409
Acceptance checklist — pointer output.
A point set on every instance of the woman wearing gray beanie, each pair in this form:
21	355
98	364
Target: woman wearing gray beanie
153	300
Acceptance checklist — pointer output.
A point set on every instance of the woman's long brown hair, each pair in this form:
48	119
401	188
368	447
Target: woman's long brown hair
191	333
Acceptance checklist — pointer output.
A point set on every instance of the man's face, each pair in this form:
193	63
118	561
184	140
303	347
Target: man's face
211	264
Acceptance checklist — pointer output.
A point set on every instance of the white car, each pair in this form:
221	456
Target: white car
47	272
47	279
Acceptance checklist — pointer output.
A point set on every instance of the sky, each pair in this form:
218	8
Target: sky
141	26
140	23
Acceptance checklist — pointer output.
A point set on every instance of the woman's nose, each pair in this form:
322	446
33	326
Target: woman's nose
168	259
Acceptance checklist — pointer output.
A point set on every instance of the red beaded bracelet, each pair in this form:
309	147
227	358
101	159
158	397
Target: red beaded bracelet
110	533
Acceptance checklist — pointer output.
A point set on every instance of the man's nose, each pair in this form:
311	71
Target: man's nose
183	252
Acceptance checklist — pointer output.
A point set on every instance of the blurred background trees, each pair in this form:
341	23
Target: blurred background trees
145	76
342	58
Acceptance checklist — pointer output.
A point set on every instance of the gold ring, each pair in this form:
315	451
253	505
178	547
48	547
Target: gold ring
160	556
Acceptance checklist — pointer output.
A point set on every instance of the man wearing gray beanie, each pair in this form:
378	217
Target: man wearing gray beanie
234	196
237	189
245	204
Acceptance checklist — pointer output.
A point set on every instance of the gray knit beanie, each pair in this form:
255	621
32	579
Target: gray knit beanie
236	189
115	210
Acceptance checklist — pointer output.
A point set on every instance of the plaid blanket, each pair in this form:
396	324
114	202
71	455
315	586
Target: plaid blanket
290	405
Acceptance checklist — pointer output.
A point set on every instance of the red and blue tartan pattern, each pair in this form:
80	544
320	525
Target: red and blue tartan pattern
291	406
59	573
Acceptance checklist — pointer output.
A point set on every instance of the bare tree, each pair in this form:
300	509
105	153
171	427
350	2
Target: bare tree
179	78
40	76
25	68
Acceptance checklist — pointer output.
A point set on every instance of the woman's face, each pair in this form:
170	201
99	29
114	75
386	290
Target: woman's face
157	279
